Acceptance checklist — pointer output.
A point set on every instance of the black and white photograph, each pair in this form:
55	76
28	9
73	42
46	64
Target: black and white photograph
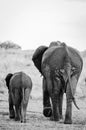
42	64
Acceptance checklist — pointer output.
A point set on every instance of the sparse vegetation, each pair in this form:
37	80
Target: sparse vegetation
19	60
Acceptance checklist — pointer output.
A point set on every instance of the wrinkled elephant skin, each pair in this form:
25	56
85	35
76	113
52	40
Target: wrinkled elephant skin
61	67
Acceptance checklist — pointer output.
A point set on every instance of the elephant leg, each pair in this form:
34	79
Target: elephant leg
24	104
47	110
55	102
17	113
23	113
16	101
55	113
60	104
11	109
68	116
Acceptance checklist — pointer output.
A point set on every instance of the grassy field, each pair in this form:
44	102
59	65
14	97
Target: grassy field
19	60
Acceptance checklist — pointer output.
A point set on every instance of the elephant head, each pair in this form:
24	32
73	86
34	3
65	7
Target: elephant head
61	67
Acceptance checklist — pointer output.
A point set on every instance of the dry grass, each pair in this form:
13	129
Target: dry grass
19	60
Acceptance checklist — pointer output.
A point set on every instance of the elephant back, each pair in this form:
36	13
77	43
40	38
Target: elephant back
55	57
19	80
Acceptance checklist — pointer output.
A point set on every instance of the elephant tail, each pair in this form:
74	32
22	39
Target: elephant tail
23	95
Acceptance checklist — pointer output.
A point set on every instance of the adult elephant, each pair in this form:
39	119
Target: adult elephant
19	87
61	67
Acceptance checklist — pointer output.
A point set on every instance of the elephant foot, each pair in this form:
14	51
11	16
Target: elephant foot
12	114
17	119
47	111
61	121
68	119
52	118
23	121
61	117
68	122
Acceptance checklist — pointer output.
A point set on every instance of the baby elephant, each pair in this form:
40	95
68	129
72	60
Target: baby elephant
19	87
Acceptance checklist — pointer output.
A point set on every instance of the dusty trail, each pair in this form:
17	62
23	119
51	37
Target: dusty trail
36	120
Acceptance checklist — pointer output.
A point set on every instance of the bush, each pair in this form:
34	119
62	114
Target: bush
9	45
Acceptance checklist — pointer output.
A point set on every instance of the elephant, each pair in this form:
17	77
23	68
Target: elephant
19	88
61	66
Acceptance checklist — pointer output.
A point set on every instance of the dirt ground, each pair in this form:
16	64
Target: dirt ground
35	118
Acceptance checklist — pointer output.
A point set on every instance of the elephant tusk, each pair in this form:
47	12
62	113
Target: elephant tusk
75	103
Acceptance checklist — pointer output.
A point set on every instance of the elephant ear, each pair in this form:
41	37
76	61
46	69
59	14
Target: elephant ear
37	57
7	79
